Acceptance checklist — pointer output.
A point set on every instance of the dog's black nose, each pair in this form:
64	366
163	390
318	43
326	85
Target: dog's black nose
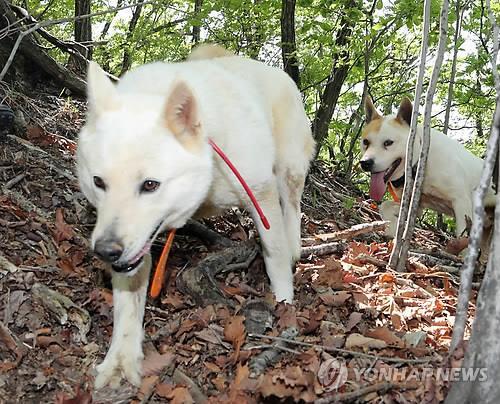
108	250
367	165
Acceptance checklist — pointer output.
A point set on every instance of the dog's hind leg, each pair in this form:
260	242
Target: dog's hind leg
294	150
124	357
462	208
277	255
290	188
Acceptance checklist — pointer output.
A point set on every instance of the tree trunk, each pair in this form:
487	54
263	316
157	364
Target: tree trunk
197	25
451	84
83	37
127	56
338	74
288	43
483	353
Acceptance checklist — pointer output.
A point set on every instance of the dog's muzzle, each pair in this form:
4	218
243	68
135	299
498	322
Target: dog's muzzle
111	251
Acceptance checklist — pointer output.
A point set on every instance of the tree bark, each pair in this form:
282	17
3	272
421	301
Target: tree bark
338	74
127	56
451	84
288	42
83	37
484	348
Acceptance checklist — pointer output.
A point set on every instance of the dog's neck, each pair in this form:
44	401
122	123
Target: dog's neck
399	182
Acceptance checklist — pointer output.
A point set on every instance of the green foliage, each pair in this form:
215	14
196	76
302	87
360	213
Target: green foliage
385	34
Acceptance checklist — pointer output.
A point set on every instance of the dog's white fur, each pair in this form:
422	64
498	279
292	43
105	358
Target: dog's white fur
155	125
452	172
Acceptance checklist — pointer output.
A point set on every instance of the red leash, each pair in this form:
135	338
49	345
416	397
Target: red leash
242	182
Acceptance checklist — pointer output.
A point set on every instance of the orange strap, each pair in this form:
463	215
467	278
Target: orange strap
393	193
159	274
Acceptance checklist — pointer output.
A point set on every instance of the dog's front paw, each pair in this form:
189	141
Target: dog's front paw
126	365
108	372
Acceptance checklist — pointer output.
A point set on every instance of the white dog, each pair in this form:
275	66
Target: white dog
145	163
452	172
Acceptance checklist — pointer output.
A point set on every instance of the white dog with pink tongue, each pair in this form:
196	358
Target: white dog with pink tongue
452	172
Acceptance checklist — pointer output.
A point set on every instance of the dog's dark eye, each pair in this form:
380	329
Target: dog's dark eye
366	142
387	143
149	186
99	183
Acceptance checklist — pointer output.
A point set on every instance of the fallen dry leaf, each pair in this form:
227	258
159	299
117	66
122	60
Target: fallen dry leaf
234	332
176	395
360	341
81	397
384	334
63	231
155	362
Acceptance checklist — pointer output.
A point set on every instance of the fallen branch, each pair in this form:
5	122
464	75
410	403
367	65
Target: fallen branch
353	231
322	249
368	259
199	281
434	252
259	363
341	350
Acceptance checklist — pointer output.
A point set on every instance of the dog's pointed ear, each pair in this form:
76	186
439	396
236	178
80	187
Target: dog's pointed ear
404	112
181	115
370	111
101	92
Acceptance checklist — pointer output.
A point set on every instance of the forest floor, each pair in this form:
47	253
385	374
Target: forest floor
365	333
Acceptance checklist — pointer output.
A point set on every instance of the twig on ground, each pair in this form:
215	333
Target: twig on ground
354	231
434	252
260	362
368	259
180	377
323	249
343	351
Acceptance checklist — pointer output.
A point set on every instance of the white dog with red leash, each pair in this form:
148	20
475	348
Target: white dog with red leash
146	163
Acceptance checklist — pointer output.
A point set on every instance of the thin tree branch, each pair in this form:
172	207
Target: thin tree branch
476	233
405	202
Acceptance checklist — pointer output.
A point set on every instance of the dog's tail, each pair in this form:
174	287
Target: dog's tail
209	51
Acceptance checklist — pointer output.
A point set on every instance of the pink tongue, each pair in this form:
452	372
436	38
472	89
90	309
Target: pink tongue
377	186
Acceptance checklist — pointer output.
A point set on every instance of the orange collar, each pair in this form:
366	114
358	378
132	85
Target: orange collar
393	193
